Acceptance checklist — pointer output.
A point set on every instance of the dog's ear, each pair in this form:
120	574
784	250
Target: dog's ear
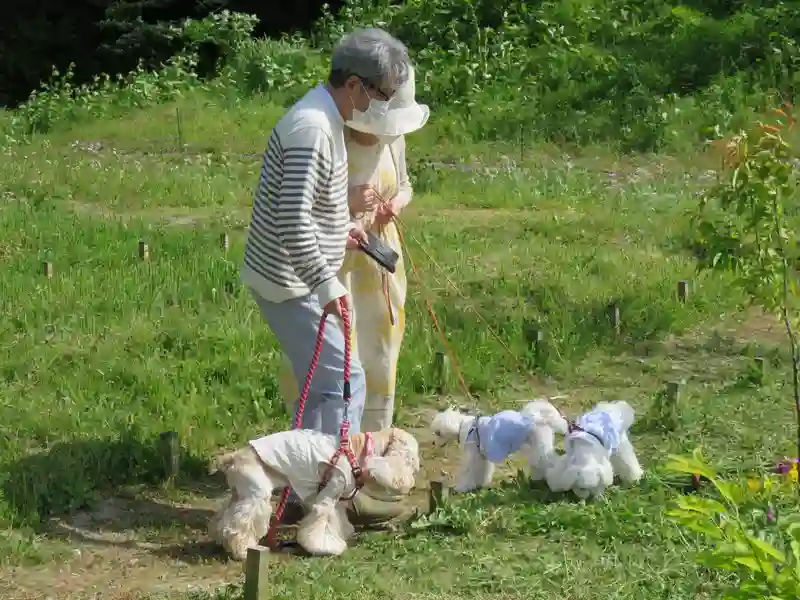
557	423
397	468
564	477
401	443
626	412
561	426
394	472
592	475
382	440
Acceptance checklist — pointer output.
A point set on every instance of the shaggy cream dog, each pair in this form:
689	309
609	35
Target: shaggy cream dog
487	441
597	447
300	458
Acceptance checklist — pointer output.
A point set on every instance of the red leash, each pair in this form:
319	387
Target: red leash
344	431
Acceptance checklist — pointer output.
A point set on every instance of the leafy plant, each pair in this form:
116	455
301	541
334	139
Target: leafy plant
762	549
743	225
448	518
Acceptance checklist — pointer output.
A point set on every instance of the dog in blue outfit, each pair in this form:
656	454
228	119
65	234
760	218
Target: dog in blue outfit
487	441
597	448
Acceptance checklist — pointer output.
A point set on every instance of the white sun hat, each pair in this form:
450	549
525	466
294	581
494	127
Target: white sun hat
404	115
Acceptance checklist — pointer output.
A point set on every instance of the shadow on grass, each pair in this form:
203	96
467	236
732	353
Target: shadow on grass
545	324
72	475
203	551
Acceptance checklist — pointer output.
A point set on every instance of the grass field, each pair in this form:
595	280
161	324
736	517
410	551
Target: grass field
110	351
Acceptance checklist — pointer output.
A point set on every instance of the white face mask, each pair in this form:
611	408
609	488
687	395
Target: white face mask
370	119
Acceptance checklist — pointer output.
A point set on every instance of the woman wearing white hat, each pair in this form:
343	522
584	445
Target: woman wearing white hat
379	191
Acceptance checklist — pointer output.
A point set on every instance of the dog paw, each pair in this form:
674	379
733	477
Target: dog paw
325	545
320	533
635	476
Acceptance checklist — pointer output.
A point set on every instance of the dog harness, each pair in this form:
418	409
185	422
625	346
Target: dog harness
359	471
298	453
500	435
474	432
600	426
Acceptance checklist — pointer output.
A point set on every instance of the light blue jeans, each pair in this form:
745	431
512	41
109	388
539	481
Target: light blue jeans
295	323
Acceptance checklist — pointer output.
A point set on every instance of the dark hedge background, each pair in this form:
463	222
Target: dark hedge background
105	36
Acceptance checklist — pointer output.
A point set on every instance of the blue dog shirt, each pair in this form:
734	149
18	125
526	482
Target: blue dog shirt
502	434
601	426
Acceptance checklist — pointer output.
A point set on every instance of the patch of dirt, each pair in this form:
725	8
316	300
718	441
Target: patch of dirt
756	326
751	326
180	216
237	218
125	548
473	213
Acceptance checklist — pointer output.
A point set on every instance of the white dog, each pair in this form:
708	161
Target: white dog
596	448
300	458
487	441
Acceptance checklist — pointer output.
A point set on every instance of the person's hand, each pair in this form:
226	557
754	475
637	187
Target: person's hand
356	238
362	198
385	213
334	307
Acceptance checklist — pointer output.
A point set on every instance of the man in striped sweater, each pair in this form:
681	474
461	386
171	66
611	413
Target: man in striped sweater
301	224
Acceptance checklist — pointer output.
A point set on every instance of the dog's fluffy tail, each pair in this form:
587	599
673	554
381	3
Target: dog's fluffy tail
544	413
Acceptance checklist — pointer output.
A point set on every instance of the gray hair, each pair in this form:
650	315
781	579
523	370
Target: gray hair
373	55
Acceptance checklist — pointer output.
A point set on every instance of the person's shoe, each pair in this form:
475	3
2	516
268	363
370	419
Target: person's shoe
366	511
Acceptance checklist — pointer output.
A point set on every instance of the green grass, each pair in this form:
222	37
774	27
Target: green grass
98	360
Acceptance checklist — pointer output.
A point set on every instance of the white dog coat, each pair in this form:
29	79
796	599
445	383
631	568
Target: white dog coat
599	426
298	455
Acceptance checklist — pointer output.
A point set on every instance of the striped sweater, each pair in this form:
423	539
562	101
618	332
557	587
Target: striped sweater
300	220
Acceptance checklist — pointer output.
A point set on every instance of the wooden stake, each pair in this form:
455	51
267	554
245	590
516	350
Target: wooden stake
761	368
613	316
437	495
256	573
683	290
47	269
224	241
441	365
171	454
669	410
673	398
535	337
674	392
180	133
144	251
